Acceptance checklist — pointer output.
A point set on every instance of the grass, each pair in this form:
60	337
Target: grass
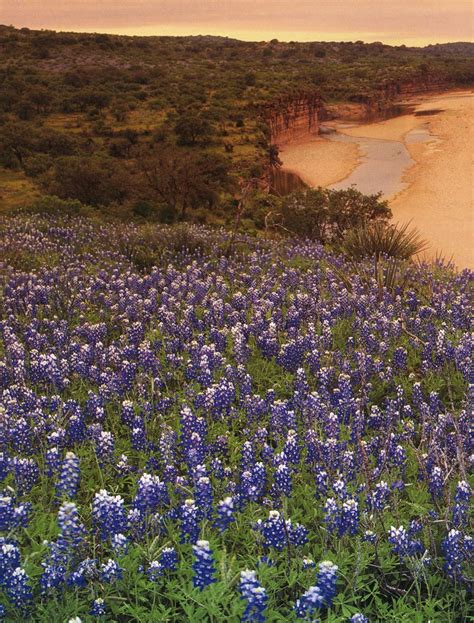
16	190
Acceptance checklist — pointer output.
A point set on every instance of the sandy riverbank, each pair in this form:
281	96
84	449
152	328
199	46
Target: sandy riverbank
318	161
438	197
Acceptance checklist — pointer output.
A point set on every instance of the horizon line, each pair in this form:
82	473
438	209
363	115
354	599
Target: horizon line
245	36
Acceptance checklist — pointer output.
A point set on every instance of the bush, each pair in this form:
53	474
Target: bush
93	181
325	215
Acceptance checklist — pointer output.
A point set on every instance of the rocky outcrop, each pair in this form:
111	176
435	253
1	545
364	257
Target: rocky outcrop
290	118
296	116
386	100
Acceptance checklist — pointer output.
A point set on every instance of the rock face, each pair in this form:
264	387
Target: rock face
386	100
291	118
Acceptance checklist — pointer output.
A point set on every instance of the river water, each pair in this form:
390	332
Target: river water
383	162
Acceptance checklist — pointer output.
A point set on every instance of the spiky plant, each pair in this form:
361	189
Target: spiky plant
380	239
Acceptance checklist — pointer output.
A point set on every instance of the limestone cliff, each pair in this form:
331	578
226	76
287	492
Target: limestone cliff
292	117
295	116
385	100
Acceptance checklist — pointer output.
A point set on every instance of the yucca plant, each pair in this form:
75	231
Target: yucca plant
380	239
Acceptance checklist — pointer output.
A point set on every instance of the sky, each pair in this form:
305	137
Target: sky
412	22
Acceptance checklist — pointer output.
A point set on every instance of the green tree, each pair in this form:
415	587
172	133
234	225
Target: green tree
191	129
93	181
324	214
182	179
16	141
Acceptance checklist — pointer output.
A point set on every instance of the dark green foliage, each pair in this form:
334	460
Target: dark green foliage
191	129
182	180
67	94
93	181
325	214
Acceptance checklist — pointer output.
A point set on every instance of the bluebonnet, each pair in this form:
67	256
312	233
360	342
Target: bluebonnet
189	515
273	531
225	513
332	515
462	498
358	618
71	528
379	496
18	589
104	447
9	559
320	595
349	522
203	565
98	608
138	438
110	571
436	482
69	477
326	580
282	480
400	358
168	561
119	543
85	571
52	459
26	473
403	544
297	534
291	448
108	513
255	596
11	515
321	478
151	493
203	496
454	554
169	558
307	605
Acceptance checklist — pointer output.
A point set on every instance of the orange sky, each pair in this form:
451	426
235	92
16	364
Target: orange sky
414	22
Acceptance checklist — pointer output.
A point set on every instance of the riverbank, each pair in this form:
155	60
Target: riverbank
435	183
319	161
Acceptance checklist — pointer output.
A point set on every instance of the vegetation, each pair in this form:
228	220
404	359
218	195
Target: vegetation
376	239
326	215
199	424
97	107
190	434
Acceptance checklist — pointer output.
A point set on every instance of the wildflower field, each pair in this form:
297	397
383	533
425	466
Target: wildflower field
192	432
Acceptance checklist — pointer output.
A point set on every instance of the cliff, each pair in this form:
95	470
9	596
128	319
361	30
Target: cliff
385	100
290	118
293	117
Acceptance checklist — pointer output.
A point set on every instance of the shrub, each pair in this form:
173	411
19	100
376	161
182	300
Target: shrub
326	215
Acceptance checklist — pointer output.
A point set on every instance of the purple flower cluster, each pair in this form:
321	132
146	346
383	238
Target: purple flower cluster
319	596
255	597
190	399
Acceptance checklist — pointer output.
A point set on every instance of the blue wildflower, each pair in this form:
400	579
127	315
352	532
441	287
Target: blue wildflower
203	565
